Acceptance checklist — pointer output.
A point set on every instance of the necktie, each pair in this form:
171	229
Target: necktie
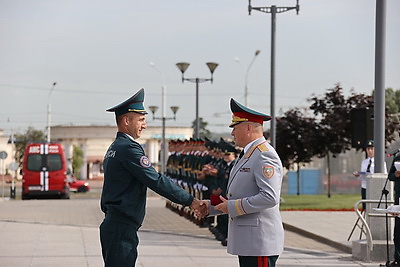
241	154
369	166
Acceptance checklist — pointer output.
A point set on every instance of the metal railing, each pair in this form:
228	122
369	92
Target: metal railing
368	234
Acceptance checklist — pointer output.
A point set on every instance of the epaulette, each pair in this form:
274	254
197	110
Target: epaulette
251	150
262	147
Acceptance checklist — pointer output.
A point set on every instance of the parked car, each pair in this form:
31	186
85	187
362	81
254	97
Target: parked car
77	186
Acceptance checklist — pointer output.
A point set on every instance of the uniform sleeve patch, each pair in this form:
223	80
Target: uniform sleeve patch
145	162
268	171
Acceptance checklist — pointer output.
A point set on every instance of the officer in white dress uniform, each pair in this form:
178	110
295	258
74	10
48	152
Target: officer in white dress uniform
367	167
255	231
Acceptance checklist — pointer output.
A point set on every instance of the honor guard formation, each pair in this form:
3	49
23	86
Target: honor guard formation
202	168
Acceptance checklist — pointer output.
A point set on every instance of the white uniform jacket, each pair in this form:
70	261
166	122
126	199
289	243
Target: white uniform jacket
253	191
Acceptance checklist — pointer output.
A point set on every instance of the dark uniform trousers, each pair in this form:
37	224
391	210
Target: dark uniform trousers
257	261
119	241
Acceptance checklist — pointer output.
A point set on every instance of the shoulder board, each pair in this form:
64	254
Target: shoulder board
262	147
251	150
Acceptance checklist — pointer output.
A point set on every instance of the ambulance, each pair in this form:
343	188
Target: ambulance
44	171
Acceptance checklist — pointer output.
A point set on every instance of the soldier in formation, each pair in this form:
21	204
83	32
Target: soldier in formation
202	167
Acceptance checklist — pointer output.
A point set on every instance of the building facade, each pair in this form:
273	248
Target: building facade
7	150
95	140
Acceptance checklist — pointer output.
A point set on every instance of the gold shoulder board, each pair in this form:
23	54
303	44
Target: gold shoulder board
262	147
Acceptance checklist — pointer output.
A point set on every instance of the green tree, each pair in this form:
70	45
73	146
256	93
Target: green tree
392	99
21	140
203	131
77	160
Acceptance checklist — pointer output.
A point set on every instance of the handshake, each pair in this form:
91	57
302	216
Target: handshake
201	207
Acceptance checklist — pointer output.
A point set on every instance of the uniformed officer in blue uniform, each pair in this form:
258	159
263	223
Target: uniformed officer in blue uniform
127	174
255	231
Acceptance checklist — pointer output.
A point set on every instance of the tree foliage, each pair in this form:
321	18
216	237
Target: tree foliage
299	138
21	140
295	133
392	99
203	131
333	111
77	160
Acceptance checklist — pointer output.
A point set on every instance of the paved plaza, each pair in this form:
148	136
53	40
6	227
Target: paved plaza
59	233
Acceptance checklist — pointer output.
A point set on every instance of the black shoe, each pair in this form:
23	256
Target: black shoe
219	236
394	264
213	230
224	242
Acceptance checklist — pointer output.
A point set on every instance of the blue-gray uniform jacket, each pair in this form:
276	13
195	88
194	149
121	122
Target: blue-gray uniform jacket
127	174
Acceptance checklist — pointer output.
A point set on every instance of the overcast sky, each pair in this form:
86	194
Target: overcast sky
98	52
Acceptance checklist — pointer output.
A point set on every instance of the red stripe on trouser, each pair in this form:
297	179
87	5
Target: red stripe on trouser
262	261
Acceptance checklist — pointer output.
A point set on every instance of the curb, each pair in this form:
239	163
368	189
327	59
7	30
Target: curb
337	245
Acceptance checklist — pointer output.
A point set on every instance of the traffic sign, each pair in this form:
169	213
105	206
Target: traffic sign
13	166
3	155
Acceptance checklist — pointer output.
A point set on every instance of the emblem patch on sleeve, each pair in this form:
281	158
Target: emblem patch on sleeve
145	162
268	171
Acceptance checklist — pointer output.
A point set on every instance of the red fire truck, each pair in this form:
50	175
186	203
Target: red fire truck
44	171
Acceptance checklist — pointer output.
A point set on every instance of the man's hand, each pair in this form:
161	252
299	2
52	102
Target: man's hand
223	207
200	207
206	169
214	171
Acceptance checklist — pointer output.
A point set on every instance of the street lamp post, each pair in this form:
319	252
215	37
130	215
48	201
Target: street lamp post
273	10
49	113
182	66
379	98
246	90
163	143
